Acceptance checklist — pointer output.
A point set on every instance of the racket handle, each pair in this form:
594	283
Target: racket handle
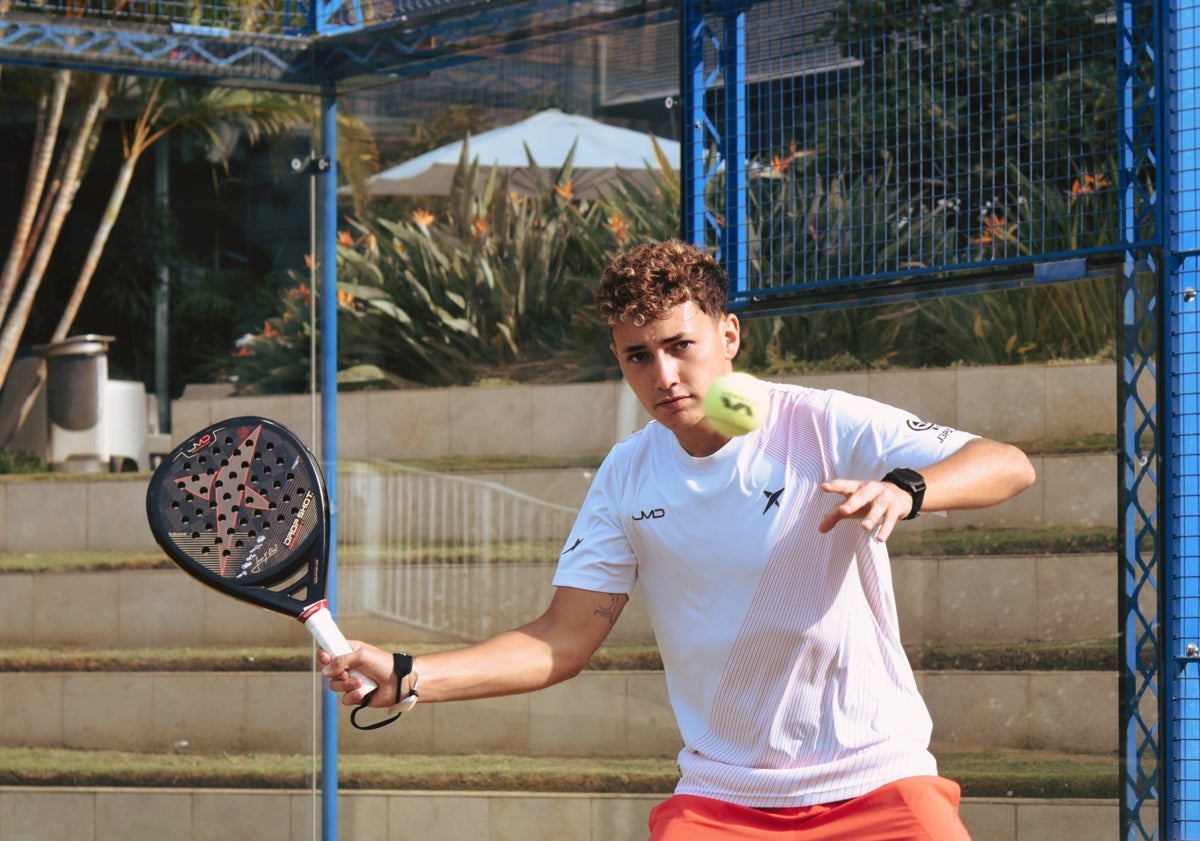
325	631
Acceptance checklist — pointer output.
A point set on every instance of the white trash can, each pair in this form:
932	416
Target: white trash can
76	386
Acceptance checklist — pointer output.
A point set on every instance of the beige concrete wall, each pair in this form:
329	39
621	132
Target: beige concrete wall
939	600
59	814
72	513
610	714
61	514
1020	403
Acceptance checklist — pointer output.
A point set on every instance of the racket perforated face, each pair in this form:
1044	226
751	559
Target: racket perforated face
241	505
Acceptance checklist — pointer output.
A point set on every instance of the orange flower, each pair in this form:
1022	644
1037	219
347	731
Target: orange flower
994	230
564	191
617	225
345	298
481	226
778	164
1088	183
245	345
345	238
423	217
270	331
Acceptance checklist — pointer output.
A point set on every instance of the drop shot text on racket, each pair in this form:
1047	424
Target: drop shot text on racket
765	572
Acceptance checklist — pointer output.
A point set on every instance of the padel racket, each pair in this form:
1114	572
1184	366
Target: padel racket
242	507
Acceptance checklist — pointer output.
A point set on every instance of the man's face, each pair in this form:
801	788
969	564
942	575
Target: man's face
670	362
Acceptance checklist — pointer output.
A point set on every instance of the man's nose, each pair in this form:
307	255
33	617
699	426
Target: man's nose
666	371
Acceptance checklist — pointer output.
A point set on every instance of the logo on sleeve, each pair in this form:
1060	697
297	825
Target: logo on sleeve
943	432
573	546
652	514
772	499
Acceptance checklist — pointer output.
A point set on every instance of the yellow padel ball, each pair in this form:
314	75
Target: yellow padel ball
737	403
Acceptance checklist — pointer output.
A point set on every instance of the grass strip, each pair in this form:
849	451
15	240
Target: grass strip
1096	442
1040	774
1086	655
1073	656
933	543
999	773
482	464
972	541
93	561
265	659
34	470
26	766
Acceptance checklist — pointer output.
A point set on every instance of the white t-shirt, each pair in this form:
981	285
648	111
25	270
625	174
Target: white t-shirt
781	645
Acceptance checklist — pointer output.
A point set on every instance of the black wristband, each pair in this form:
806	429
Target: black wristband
403	664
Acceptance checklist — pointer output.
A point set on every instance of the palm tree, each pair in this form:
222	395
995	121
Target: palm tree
158	108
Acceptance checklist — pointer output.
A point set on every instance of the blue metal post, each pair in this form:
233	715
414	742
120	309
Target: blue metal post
326	250
1181	579
1143	413
694	86
734	144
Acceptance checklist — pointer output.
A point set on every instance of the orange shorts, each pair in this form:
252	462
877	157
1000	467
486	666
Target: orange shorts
911	809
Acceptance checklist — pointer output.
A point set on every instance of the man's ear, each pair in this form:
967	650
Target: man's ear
731	334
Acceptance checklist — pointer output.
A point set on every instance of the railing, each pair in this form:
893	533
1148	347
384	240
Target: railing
457	556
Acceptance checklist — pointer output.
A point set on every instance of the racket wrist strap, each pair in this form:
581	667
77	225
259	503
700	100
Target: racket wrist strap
403	664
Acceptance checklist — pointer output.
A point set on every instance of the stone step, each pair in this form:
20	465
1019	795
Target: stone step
1008	403
186	814
109	511
598	713
984	599
996	772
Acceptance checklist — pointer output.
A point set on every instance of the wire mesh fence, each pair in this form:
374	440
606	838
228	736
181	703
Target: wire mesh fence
836	142
895	139
457	556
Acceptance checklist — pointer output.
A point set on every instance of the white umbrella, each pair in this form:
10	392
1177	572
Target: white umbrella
547	137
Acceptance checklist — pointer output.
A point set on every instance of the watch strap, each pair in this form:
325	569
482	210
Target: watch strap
911	481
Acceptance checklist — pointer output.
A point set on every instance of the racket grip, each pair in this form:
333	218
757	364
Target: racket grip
321	625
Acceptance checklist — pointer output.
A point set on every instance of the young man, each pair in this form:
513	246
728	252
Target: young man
766	577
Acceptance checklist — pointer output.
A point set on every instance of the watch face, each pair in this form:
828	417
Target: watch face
909	479
912	482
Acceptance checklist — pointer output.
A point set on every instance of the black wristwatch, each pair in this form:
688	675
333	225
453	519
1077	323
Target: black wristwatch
911	481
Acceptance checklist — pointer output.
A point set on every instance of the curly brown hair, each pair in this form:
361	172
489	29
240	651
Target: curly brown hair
647	281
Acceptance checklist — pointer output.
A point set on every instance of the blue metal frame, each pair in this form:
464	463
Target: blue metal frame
1142	457
1180	371
699	225
330	45
326	271
734	134
344	43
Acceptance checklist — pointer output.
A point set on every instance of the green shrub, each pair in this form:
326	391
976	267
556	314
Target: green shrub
495	278
12	462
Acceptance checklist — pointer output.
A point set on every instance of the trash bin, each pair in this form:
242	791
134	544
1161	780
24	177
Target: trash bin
76	382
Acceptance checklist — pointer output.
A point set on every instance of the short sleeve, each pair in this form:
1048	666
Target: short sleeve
597	554
868	438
